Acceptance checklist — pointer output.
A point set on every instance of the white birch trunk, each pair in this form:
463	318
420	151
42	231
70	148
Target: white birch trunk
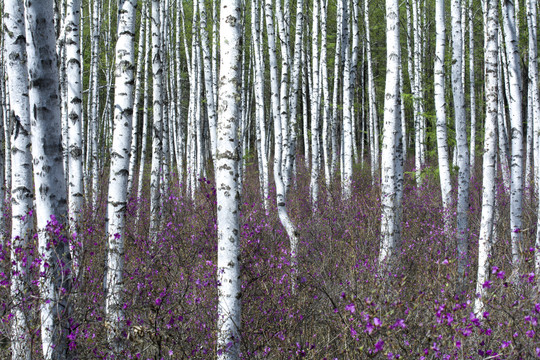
51	209
146	104
472	88
314	182
144	25
337	68
74	110
347	115
440	108
276	114
157	124
325	95
516	130
228	197
501	124
208	79
490	156
259	103
95	102
22	191
374	122
390	168
120	153
458	92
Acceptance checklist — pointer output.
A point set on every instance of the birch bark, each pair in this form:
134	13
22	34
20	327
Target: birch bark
51	202
516	131
21	192
118	178
490	156
458	92
228	197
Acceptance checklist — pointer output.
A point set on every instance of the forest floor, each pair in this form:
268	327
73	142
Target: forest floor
342	307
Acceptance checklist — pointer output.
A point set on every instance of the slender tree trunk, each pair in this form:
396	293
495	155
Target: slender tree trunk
516	131
315	98
146	104
276	114
472	87
490	156
120	153
137	99
391	149
51	202
229	289
458	92
21	192
157	74
374	122
440	109
208	79
347	110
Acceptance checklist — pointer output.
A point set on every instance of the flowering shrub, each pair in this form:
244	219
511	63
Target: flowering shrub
343	306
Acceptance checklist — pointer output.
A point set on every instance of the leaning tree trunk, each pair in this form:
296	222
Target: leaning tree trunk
228	269
51	209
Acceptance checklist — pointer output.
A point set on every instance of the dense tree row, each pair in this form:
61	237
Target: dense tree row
206	86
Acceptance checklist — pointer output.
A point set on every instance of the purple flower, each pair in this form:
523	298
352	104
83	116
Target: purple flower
350	308
377	322
530	333
487	284
379	345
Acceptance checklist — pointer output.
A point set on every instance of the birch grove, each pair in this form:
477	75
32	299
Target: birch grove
198	178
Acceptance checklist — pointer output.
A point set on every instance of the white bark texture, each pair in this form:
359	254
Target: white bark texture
472	87
21	192
458	92
278	140
391	149
208	79
440	106
347	109
516	129
157	125
118	178
228	197
315	98
490	157
51	202
74	110
141	65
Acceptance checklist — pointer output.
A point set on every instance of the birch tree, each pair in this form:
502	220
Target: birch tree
21	192
281	198
228	197
51	202
157	72
141	66
490	156
74	112
120	152
440	106
391	160
516	129
458	93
